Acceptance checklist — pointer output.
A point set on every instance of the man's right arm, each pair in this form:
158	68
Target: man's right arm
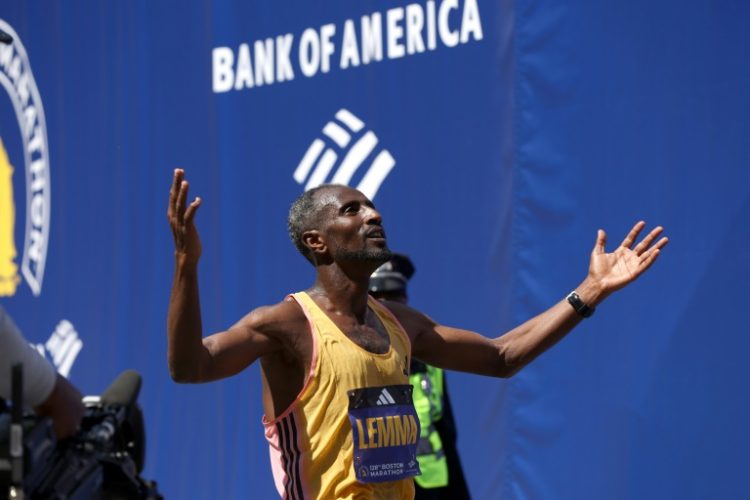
192	358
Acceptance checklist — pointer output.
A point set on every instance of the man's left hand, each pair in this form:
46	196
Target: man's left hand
614	270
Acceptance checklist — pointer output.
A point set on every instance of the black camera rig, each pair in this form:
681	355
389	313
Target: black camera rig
102	461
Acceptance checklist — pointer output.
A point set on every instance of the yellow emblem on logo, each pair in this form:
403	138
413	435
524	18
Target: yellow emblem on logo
9	278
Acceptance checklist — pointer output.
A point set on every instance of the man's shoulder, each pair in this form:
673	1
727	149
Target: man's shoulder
399	309
411	319
285	322
286	312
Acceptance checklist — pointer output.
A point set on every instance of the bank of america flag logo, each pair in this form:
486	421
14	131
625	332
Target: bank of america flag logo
355	146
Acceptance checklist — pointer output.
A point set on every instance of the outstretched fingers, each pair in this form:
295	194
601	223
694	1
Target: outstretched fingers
601	241
190	212
648	257
179	212
181	202
173	191
645	244
633	234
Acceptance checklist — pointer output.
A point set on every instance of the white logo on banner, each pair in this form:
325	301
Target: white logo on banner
17	79
401	31
63	347
318	162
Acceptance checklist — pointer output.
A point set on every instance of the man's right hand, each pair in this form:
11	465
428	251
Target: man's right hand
186	240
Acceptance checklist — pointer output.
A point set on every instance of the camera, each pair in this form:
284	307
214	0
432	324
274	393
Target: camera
102	461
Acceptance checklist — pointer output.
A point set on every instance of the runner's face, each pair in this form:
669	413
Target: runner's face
354	231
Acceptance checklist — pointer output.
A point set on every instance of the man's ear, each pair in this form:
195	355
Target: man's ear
314	241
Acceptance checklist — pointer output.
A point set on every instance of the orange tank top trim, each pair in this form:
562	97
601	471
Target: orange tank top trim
310	374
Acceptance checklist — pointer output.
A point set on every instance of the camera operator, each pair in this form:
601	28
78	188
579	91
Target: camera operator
48	392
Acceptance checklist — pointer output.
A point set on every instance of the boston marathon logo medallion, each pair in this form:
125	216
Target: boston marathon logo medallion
29	161
336	157
25	194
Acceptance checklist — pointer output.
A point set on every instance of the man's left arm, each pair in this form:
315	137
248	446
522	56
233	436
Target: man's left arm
463	350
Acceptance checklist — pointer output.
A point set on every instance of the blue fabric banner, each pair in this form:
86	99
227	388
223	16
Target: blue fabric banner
494	137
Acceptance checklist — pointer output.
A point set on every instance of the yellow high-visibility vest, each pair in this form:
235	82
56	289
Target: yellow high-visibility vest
428	401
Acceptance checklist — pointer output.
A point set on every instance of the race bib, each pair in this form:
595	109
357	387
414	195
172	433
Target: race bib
385	431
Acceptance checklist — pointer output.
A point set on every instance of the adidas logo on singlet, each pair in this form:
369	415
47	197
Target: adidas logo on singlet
386	398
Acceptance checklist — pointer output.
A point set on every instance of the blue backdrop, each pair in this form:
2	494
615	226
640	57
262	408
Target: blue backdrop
495	137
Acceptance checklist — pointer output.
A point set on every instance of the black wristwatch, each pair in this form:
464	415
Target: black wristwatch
582	309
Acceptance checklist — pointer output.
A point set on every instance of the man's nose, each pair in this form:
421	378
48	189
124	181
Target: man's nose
372	216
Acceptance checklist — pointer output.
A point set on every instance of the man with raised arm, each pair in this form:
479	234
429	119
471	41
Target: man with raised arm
339	419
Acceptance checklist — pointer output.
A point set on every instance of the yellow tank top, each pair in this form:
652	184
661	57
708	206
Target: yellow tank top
311	443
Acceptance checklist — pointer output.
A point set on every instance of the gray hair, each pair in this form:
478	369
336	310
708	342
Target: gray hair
304	215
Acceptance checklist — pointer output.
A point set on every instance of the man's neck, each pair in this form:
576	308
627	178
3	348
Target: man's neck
341	293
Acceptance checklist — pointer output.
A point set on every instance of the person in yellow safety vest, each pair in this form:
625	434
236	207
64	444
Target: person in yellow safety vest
442	476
